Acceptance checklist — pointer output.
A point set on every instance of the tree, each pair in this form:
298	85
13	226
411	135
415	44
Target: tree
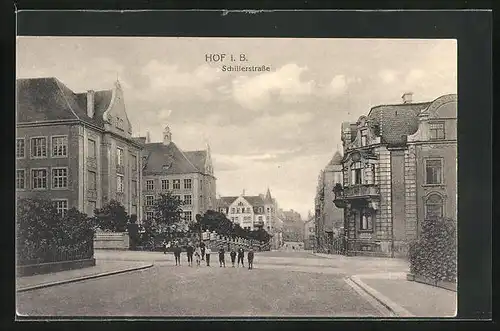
215	221
112	217
167	212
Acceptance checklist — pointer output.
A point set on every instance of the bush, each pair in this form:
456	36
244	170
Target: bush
434	254
112	217
43	235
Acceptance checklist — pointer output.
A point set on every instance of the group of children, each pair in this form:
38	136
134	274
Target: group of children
202	252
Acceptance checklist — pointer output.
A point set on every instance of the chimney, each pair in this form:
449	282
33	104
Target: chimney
90	103
407	97
167	136
148	138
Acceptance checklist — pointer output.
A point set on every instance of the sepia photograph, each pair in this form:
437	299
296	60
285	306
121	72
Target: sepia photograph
236	177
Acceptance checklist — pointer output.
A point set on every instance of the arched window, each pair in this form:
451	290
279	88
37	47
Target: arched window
434	206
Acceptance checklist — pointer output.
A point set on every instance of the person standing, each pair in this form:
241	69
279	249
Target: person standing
190	251
197	255
233	256
177	254
222	257
202	248
208	251
241	255
250	259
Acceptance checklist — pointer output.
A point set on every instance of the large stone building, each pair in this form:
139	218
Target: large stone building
75	148
400	167
328	217
188	175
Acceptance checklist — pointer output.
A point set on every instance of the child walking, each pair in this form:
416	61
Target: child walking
197	256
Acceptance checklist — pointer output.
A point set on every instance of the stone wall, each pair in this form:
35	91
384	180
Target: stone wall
111	240
411	192
383	180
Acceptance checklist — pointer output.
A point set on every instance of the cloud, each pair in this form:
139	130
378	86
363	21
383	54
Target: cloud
415	76
337	86
169	80
388	76
284	84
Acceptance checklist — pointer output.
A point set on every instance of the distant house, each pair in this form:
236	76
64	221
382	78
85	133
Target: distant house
188	175
75	148
310	234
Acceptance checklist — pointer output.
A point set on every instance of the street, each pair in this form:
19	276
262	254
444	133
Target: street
281	284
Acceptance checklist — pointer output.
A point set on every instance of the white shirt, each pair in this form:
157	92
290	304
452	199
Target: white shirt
208	250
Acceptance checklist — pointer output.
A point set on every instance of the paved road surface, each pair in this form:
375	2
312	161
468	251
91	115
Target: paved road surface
166	290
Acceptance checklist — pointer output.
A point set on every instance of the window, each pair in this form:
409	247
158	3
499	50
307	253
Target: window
248	210
260	218
39	178
188	216
92	180
232	210
176	183
238	210
119	123
356	173
187	184
165	184
92	148
59	146
59	177
369	177
133	162
434	206
150	199
433	171
187	199
39	147
119	156
91	207
261	209
436	131
363	137
149	215
20	179
119	183
150	185
61	206
20	148
240	203
177	197
365	220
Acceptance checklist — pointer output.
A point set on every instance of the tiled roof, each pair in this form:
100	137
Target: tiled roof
336	159
197	158
255	201
166	159
395	122
225	201
45	99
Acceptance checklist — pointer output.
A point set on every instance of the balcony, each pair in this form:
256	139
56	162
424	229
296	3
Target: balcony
346	195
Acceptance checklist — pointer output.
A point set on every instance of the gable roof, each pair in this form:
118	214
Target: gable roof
197	158
255	201
158	155
47	99
336	159
225	201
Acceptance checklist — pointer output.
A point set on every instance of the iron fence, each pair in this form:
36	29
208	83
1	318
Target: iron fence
36	253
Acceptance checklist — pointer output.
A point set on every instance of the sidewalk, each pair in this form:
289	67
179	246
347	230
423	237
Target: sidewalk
102	268
406	298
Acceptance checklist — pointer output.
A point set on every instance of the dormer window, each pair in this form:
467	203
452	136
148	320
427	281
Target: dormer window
364	137
119	123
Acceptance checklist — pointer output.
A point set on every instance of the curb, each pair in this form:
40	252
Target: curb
386	302
74	280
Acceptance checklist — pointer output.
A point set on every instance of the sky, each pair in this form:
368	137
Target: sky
276	129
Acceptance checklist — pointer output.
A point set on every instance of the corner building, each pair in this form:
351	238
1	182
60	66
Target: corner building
399	168
75	149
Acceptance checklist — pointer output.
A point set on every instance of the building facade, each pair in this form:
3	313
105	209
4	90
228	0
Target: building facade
293	226
310	234
187	175
75	148
252	212
328	217
399	168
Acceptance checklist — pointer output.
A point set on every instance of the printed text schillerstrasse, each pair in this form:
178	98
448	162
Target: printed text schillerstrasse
222	57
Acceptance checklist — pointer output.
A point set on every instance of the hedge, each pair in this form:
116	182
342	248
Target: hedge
43	235
434	254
